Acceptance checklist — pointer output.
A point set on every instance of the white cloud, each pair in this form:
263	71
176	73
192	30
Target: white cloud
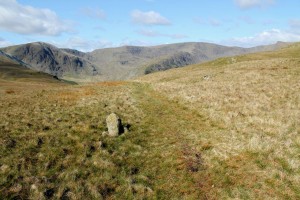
83	44
264	38
148	18
150	33
129	42
246	4
22	19
93	12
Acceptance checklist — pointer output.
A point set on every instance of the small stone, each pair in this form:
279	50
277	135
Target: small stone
114	125
206	77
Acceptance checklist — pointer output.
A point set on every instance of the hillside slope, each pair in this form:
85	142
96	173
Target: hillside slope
121	63
131	61
252	104
12	69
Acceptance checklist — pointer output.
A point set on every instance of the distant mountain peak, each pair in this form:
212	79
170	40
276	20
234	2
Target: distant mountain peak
50	59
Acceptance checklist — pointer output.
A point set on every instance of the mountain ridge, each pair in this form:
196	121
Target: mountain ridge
50	59
121	63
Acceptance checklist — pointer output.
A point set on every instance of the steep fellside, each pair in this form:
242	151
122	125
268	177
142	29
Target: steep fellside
178	60
12	69
203	52
47	58
7	59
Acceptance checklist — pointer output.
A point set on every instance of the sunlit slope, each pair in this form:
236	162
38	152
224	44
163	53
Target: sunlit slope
252	103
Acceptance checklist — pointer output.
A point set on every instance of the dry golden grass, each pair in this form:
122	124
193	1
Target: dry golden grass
252	103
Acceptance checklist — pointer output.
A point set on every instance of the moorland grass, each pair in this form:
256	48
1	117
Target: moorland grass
52	144
253	103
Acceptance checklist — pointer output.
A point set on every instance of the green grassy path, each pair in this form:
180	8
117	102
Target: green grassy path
172	160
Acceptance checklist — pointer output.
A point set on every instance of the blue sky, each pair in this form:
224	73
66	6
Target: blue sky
91	24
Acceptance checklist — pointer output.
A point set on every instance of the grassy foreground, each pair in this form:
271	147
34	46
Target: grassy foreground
227	129
52	145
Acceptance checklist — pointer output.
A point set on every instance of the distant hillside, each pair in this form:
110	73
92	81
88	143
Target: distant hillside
132	61
13	69
52	60
121	63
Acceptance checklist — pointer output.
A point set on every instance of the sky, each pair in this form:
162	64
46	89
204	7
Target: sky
93	24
